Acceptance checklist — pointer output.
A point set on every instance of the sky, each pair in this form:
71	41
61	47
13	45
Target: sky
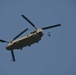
55	55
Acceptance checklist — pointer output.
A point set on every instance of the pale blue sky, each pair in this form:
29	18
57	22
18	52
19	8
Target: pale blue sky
55	55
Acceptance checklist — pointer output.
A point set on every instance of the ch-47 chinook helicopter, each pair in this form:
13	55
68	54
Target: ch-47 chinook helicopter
33	37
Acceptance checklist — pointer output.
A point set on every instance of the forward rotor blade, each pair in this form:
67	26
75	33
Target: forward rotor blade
51	26
29	21
20	34
3	41
13	57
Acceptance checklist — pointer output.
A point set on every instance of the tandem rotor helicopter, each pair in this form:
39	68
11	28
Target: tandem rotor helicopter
28	40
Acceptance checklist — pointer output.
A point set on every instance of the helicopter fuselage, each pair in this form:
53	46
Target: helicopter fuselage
28	40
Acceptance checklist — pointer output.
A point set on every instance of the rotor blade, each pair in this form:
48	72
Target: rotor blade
13	57
51	26
3	41
29	21
20	33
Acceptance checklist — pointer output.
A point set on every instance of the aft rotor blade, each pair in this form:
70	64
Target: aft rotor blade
13	57
20	34
51	26
3	41
29	21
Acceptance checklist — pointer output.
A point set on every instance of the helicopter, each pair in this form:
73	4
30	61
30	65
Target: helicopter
28	40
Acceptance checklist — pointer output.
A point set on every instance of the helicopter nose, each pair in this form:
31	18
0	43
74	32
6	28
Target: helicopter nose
7	48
